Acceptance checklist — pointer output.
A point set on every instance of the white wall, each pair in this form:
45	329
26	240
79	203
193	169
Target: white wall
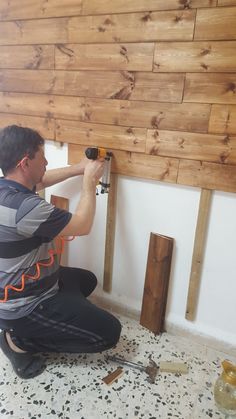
147	206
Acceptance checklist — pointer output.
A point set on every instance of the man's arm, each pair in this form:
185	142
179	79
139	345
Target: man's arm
82	220
54	176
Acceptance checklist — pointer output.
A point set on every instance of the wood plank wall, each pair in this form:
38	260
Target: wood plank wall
152	80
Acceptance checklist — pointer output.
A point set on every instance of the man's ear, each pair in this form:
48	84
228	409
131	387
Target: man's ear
24	163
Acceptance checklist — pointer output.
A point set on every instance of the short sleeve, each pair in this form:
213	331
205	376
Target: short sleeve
36	217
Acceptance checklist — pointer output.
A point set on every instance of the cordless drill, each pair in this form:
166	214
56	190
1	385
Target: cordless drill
94	153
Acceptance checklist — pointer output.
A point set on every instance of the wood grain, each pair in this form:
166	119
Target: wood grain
123	85
197	56
29	9
156	283
110	234
134	164
136	57
182	117
27	56
226	3
45	126
195	146
113	376
37	31
98	135
210	88
216	23
132	27
198	253
207	175
65	107
95	7
145	166
223	119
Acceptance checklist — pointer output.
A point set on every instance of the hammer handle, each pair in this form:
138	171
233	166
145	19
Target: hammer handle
124	362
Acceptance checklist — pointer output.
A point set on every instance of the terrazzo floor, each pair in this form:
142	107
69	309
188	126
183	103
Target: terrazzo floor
72	388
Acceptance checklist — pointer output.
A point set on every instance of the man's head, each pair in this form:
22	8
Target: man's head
15	144
22	155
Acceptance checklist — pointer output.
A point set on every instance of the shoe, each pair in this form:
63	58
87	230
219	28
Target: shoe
24	364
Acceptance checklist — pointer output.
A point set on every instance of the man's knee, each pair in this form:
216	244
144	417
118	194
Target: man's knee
114	330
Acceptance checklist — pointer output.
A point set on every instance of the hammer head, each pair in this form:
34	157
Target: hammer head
151	370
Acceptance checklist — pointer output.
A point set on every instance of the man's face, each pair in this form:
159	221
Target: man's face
37	166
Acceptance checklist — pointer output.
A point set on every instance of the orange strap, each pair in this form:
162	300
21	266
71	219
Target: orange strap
52	252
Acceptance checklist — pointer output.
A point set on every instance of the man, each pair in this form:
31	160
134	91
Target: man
43	306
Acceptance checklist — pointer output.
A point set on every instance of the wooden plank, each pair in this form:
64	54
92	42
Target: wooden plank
134	164
188	145
62	203
65	107
182	117
107	136
136	57
145	86
27	56
113	376
156	283
216	23
205	175
32	81
36	31
223	119
198	253
197	56
75	153
145	166
184	172
110	234
173	116
210	88
132	27
44	126
28	9
94	7
226	3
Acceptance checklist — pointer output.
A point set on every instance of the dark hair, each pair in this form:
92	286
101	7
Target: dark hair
15	143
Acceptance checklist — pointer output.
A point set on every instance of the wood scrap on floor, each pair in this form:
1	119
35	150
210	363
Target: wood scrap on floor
174	367
113	376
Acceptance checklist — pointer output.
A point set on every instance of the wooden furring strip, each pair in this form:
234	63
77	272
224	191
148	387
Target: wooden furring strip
62	203
198	253
110	234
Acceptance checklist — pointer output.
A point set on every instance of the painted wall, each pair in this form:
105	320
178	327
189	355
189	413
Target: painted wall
148	206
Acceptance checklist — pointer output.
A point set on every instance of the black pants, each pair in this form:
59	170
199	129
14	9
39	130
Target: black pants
66	322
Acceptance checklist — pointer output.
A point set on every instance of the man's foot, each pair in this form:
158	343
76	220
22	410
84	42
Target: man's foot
24	364
12	345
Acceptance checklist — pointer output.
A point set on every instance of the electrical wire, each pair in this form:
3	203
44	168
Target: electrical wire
52	252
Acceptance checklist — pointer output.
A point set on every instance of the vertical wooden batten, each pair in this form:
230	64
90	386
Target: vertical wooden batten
62	203
198	253
110	234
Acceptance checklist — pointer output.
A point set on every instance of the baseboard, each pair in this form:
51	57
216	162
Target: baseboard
172	326
221	344
114	307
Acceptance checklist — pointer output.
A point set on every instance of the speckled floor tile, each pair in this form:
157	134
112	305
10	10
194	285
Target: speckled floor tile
72	386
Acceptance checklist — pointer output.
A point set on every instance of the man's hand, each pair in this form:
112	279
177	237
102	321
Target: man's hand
80	167
82	220
93	172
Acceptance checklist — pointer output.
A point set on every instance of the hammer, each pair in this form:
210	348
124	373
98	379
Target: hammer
151	369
